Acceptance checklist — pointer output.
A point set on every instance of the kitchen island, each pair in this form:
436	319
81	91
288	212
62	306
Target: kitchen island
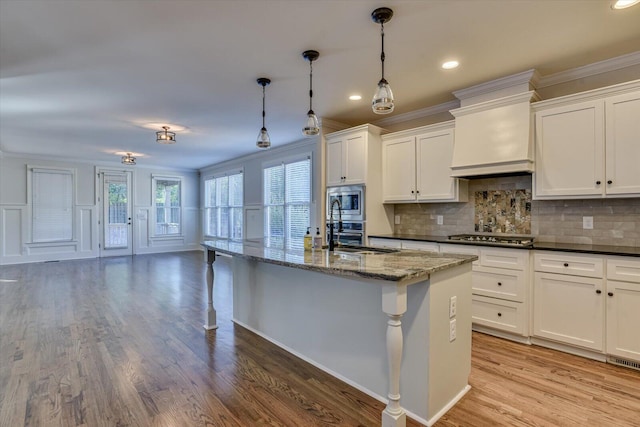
325	308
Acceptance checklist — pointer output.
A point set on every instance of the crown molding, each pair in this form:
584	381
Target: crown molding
520	98
332	124
418	114
596	68
526	77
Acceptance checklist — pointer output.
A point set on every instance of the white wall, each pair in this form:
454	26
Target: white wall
15	246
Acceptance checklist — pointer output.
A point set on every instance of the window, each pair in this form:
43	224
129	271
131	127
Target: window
223	201
51	205
287	199
167	205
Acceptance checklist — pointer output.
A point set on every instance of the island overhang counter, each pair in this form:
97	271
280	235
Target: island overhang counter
325	308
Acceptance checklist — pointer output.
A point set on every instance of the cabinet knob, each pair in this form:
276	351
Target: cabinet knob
412	191
566	264
598	182
598	291
610	294
499	283
609	182
499	314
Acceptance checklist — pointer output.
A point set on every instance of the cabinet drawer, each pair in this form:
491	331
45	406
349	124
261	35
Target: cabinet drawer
461	249
498	314
506	284
385	243
575	265
513	259
624	269
420	246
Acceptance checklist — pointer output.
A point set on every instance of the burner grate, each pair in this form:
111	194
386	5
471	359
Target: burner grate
493	239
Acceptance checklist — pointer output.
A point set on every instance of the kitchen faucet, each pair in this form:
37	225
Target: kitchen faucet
333	202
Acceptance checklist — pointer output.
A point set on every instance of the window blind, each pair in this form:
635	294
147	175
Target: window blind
224	200
52	205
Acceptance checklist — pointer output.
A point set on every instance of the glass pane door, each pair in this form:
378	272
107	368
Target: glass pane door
116	213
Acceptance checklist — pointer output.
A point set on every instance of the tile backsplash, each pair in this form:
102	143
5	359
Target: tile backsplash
503	211
615	221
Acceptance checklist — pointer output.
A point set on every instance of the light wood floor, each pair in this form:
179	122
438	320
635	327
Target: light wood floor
119	342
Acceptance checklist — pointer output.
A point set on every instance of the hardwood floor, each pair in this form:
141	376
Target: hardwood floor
119	342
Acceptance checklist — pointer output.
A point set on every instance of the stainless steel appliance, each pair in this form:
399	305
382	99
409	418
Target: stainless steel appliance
351	202
352	233
493	240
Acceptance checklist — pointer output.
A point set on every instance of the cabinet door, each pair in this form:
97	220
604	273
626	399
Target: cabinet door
399	170
355	158
623	144
623	319
334	162
569	309
569	151
434	152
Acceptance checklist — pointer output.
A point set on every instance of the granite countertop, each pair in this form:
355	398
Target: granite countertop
402	265
549	246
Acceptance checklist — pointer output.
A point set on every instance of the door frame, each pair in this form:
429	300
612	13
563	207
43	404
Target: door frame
102	251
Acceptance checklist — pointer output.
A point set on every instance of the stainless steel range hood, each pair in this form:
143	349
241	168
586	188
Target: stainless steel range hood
494	132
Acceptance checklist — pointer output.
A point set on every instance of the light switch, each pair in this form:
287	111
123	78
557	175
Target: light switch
587	222
397	219
440	219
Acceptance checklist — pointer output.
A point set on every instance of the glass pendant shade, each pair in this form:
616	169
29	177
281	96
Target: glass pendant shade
382	102
263	139
312	127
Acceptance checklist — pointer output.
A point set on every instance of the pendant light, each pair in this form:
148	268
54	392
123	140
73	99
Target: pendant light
165	137
383	98
263	137
311	127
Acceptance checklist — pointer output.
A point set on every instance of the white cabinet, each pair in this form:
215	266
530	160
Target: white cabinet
500	285
587	144
385	243
351	153
568	299
623	307
416	166
415	245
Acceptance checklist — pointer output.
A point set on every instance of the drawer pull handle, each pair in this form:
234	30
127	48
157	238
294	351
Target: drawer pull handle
609	182
597	182
499	314
598	291
499	283
566	264
610	294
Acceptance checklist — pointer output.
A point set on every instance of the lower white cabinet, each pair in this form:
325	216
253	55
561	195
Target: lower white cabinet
623	307
420	246
499	314
569	309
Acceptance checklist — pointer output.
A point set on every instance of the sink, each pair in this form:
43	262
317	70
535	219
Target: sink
363	250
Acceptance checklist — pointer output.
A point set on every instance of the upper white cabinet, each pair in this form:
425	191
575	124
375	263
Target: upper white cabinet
416	166
587	145
351	154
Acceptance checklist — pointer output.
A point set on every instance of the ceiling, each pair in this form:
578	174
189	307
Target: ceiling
85	79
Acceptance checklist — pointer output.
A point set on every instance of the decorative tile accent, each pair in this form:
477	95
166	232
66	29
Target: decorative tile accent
503	211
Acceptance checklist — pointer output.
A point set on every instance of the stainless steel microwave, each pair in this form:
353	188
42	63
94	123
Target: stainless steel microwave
351	202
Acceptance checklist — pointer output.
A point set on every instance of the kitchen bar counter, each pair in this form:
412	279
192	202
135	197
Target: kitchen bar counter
396	266
547	246
397	325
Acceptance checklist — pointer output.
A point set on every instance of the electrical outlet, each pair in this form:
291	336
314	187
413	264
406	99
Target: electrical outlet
453	306
452	330
440	219
587	222
397	219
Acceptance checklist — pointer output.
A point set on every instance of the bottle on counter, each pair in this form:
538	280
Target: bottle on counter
317	239
307	240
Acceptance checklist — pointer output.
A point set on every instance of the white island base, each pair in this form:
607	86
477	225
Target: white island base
363	331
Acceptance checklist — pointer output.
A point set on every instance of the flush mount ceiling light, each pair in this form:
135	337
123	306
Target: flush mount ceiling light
623	4
165	137
355	97
383	98
311	127
128	160
263	137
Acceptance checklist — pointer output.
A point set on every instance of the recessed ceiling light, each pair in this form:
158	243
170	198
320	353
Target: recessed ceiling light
450	65
355	97
623	4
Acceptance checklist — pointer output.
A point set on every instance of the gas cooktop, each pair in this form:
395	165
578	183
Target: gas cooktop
495	239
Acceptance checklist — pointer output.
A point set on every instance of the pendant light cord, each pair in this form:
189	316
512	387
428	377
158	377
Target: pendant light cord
382	52
310	85
263	107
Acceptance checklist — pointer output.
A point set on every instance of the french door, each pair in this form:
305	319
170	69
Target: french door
116	225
